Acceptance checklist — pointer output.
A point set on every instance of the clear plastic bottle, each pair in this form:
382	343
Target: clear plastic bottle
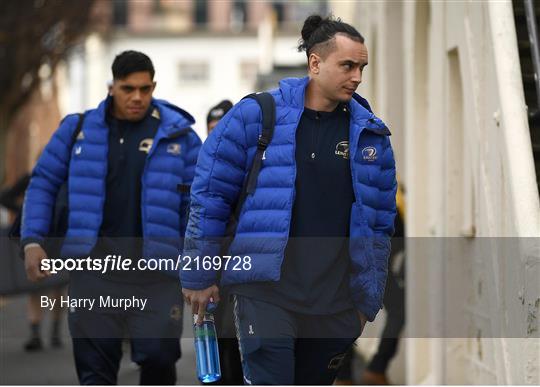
206	349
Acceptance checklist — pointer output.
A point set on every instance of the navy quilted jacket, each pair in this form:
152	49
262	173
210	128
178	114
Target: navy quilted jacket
170	163
263	227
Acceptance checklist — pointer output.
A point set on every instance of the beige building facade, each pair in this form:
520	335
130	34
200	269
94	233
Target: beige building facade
445	76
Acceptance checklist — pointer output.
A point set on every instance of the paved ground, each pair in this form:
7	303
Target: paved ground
55	366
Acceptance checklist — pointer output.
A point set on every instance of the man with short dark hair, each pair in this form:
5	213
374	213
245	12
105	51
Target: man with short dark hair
127	171
314	236
216	113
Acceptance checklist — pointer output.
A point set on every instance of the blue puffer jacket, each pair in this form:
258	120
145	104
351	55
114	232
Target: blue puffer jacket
263	228
163	206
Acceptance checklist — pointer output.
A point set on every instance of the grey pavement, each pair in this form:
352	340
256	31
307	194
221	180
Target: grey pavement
56	366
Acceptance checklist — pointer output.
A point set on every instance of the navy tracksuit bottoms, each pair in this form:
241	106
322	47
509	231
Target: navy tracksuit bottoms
278	346
153	333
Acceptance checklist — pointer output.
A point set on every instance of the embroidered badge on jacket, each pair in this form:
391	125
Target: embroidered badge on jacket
369	153
146	144
342	149
174	149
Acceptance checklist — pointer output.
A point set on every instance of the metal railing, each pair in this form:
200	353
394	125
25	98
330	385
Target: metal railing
535	50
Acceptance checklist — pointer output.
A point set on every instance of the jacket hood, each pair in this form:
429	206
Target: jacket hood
173	118
172	115
293	91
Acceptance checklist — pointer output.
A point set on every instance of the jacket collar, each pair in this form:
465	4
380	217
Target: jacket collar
293	92
362	114
174	120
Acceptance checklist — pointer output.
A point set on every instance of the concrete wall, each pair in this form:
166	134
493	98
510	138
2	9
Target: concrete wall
445	77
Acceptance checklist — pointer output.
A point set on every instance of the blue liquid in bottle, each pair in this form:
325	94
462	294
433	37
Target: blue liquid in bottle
206	349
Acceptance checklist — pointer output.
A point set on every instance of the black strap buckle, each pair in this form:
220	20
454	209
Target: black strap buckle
262	143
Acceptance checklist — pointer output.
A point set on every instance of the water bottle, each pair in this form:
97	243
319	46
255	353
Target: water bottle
206	347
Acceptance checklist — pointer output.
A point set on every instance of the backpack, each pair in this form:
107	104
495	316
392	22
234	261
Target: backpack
268	109
58	228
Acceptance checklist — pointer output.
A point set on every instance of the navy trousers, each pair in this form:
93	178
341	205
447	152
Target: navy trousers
153	333
278	346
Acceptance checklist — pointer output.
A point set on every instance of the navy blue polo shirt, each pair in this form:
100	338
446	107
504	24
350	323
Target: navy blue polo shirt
316	266
121	227
129	144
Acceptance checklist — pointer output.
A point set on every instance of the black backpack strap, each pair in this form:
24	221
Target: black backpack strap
268	110
77	129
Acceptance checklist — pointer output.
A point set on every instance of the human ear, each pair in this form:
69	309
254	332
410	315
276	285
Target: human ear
314	61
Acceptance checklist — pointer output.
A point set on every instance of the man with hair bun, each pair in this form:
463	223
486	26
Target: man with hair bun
127	165
317	227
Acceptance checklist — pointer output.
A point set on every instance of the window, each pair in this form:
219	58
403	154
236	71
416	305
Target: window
279	9
201	12
193	71
120	12
238	15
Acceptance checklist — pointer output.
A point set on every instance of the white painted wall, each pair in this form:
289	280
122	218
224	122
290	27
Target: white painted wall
445	75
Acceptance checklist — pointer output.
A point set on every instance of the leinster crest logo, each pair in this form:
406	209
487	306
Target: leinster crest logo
174	149
146	144
342	149
369	153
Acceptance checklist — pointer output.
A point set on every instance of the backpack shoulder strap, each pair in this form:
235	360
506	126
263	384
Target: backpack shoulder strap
268	110
78	128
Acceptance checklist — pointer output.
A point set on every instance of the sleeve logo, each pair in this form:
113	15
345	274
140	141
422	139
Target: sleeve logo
369	153
174	149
